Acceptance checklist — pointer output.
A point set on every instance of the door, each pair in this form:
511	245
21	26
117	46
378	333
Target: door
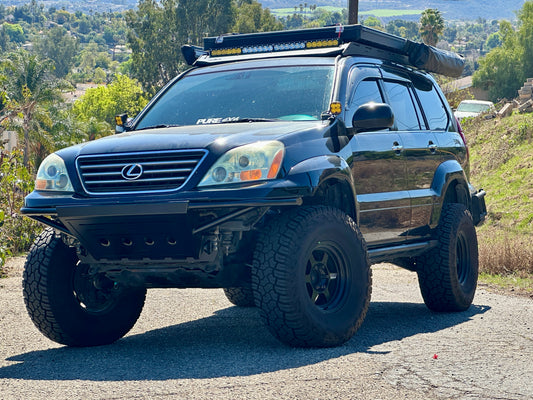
378	168
421	153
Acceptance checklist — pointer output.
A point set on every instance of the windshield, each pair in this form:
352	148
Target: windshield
287	93
473	107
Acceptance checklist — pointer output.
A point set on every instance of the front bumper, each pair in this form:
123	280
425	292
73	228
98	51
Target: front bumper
143	231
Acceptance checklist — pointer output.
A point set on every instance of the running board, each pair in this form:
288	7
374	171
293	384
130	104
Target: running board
385	254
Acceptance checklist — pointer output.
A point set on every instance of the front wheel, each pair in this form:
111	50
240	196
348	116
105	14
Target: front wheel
240	296
311	277
68	304
448	274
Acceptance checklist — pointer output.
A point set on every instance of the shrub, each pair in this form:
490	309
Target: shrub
16	233
503	253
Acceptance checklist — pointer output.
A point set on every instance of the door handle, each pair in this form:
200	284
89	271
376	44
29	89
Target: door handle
397	148
432	147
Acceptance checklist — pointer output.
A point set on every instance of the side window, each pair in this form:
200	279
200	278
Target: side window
434	109
366	92
402	105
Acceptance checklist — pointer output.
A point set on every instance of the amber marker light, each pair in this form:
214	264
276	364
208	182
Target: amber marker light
276	165
40	184
335	108
251	175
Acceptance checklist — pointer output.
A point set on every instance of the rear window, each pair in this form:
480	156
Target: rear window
402	105
434	108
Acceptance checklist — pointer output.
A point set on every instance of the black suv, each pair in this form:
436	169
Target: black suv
279	168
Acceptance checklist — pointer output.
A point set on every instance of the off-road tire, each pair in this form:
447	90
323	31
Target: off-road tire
54	287
448	274
240	296
311	277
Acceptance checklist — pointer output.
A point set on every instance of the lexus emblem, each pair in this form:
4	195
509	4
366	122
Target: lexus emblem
132	171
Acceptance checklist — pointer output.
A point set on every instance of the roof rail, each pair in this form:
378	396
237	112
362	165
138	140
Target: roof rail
348	40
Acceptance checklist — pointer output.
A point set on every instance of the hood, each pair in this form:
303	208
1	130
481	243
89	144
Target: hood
216	137
465	114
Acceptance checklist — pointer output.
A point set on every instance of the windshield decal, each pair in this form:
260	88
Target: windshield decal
206	121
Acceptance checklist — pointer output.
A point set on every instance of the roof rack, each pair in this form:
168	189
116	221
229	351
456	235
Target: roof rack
347	40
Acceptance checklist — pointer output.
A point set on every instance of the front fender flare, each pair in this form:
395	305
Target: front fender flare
326	170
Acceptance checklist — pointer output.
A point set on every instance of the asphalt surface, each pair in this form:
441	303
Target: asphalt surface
193	344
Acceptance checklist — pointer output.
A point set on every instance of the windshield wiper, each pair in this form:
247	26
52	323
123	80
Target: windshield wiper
157	127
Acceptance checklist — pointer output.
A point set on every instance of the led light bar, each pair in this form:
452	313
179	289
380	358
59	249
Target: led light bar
266	42
348	40
227	52
268	48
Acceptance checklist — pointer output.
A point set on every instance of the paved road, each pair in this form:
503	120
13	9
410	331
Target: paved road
192	344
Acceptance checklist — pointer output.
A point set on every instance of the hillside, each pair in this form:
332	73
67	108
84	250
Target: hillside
452	9
502	164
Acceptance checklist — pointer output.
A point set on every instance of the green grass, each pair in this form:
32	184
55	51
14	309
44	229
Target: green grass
391	13
502	164
509	283
284	12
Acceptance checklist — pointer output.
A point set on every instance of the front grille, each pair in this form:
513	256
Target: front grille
137	172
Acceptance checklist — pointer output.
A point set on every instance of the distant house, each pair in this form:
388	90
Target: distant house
9	140
79	91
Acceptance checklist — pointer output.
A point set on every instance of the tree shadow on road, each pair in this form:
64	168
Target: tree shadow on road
232	342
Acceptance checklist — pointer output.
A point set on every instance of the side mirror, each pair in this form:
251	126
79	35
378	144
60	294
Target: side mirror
373	117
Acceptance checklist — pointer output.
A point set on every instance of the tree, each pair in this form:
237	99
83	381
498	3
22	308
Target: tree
405	29
253	18
123	95
196	19
4	39
155	53
15	32
501	71
30	88
525	36
494	40
504	69
373	22
431	26
59	46
158	29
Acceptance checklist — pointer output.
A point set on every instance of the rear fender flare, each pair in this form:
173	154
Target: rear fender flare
447	177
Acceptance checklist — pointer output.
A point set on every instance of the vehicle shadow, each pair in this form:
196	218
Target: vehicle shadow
233	342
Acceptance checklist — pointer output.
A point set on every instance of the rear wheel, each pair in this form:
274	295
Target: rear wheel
71	306
311	277
448	274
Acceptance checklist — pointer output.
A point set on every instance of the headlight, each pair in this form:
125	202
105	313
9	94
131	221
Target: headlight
252	162
52	175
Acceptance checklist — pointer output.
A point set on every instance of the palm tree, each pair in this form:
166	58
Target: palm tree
31	88
431	26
